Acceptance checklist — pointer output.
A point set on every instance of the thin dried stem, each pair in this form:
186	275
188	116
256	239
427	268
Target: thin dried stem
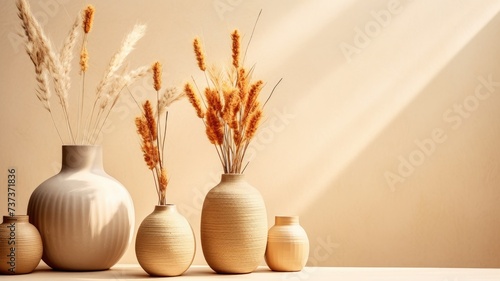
251	36
164	137
272	91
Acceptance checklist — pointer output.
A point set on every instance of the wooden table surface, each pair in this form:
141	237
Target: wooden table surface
135	272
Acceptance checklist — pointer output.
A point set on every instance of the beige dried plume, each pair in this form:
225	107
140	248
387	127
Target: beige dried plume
53	69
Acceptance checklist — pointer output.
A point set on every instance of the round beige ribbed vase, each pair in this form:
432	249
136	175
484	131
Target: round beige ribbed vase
233	226
20	245
287	245
165	243
84	216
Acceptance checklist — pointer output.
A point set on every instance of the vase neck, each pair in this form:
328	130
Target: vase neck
286	220
81	157
232	177
166	208
15	219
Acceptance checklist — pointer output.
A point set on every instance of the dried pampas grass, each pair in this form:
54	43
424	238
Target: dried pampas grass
52	70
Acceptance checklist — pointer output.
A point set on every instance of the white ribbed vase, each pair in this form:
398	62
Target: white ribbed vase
233	226
84	216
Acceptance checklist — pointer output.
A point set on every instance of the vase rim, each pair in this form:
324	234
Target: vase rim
82	157
168	204
82	145
232	175
16	217
166	207
286	219
294	216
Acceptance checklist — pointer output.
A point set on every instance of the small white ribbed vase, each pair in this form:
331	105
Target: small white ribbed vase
287	245
165	244
84	216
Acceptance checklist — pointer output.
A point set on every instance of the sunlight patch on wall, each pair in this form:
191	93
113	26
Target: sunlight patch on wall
278	43
371	90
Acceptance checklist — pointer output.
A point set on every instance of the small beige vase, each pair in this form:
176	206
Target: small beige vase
20	245
165	243
233	226
287	245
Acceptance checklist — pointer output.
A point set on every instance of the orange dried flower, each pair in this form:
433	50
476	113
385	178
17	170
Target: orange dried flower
214	127
199	54
242	84
88	18
231	108
213	99
235	37
150	155
252	98
237	137
157	76
153	139
163	180
149	151
253	124
194	100
150	119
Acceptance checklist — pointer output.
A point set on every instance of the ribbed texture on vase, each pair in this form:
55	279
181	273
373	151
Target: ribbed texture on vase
20	245
165	243
233	226
287	245
85	218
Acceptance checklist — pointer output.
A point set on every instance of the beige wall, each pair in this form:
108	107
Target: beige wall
371	90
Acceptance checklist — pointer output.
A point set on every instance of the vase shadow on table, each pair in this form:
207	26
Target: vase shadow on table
195	271
44	272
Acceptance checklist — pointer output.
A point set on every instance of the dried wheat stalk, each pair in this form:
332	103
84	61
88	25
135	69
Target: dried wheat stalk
153	135
233	112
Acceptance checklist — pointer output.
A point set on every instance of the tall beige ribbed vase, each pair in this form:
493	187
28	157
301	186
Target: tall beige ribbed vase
233	226
20	245
165	243
287	245
84	216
